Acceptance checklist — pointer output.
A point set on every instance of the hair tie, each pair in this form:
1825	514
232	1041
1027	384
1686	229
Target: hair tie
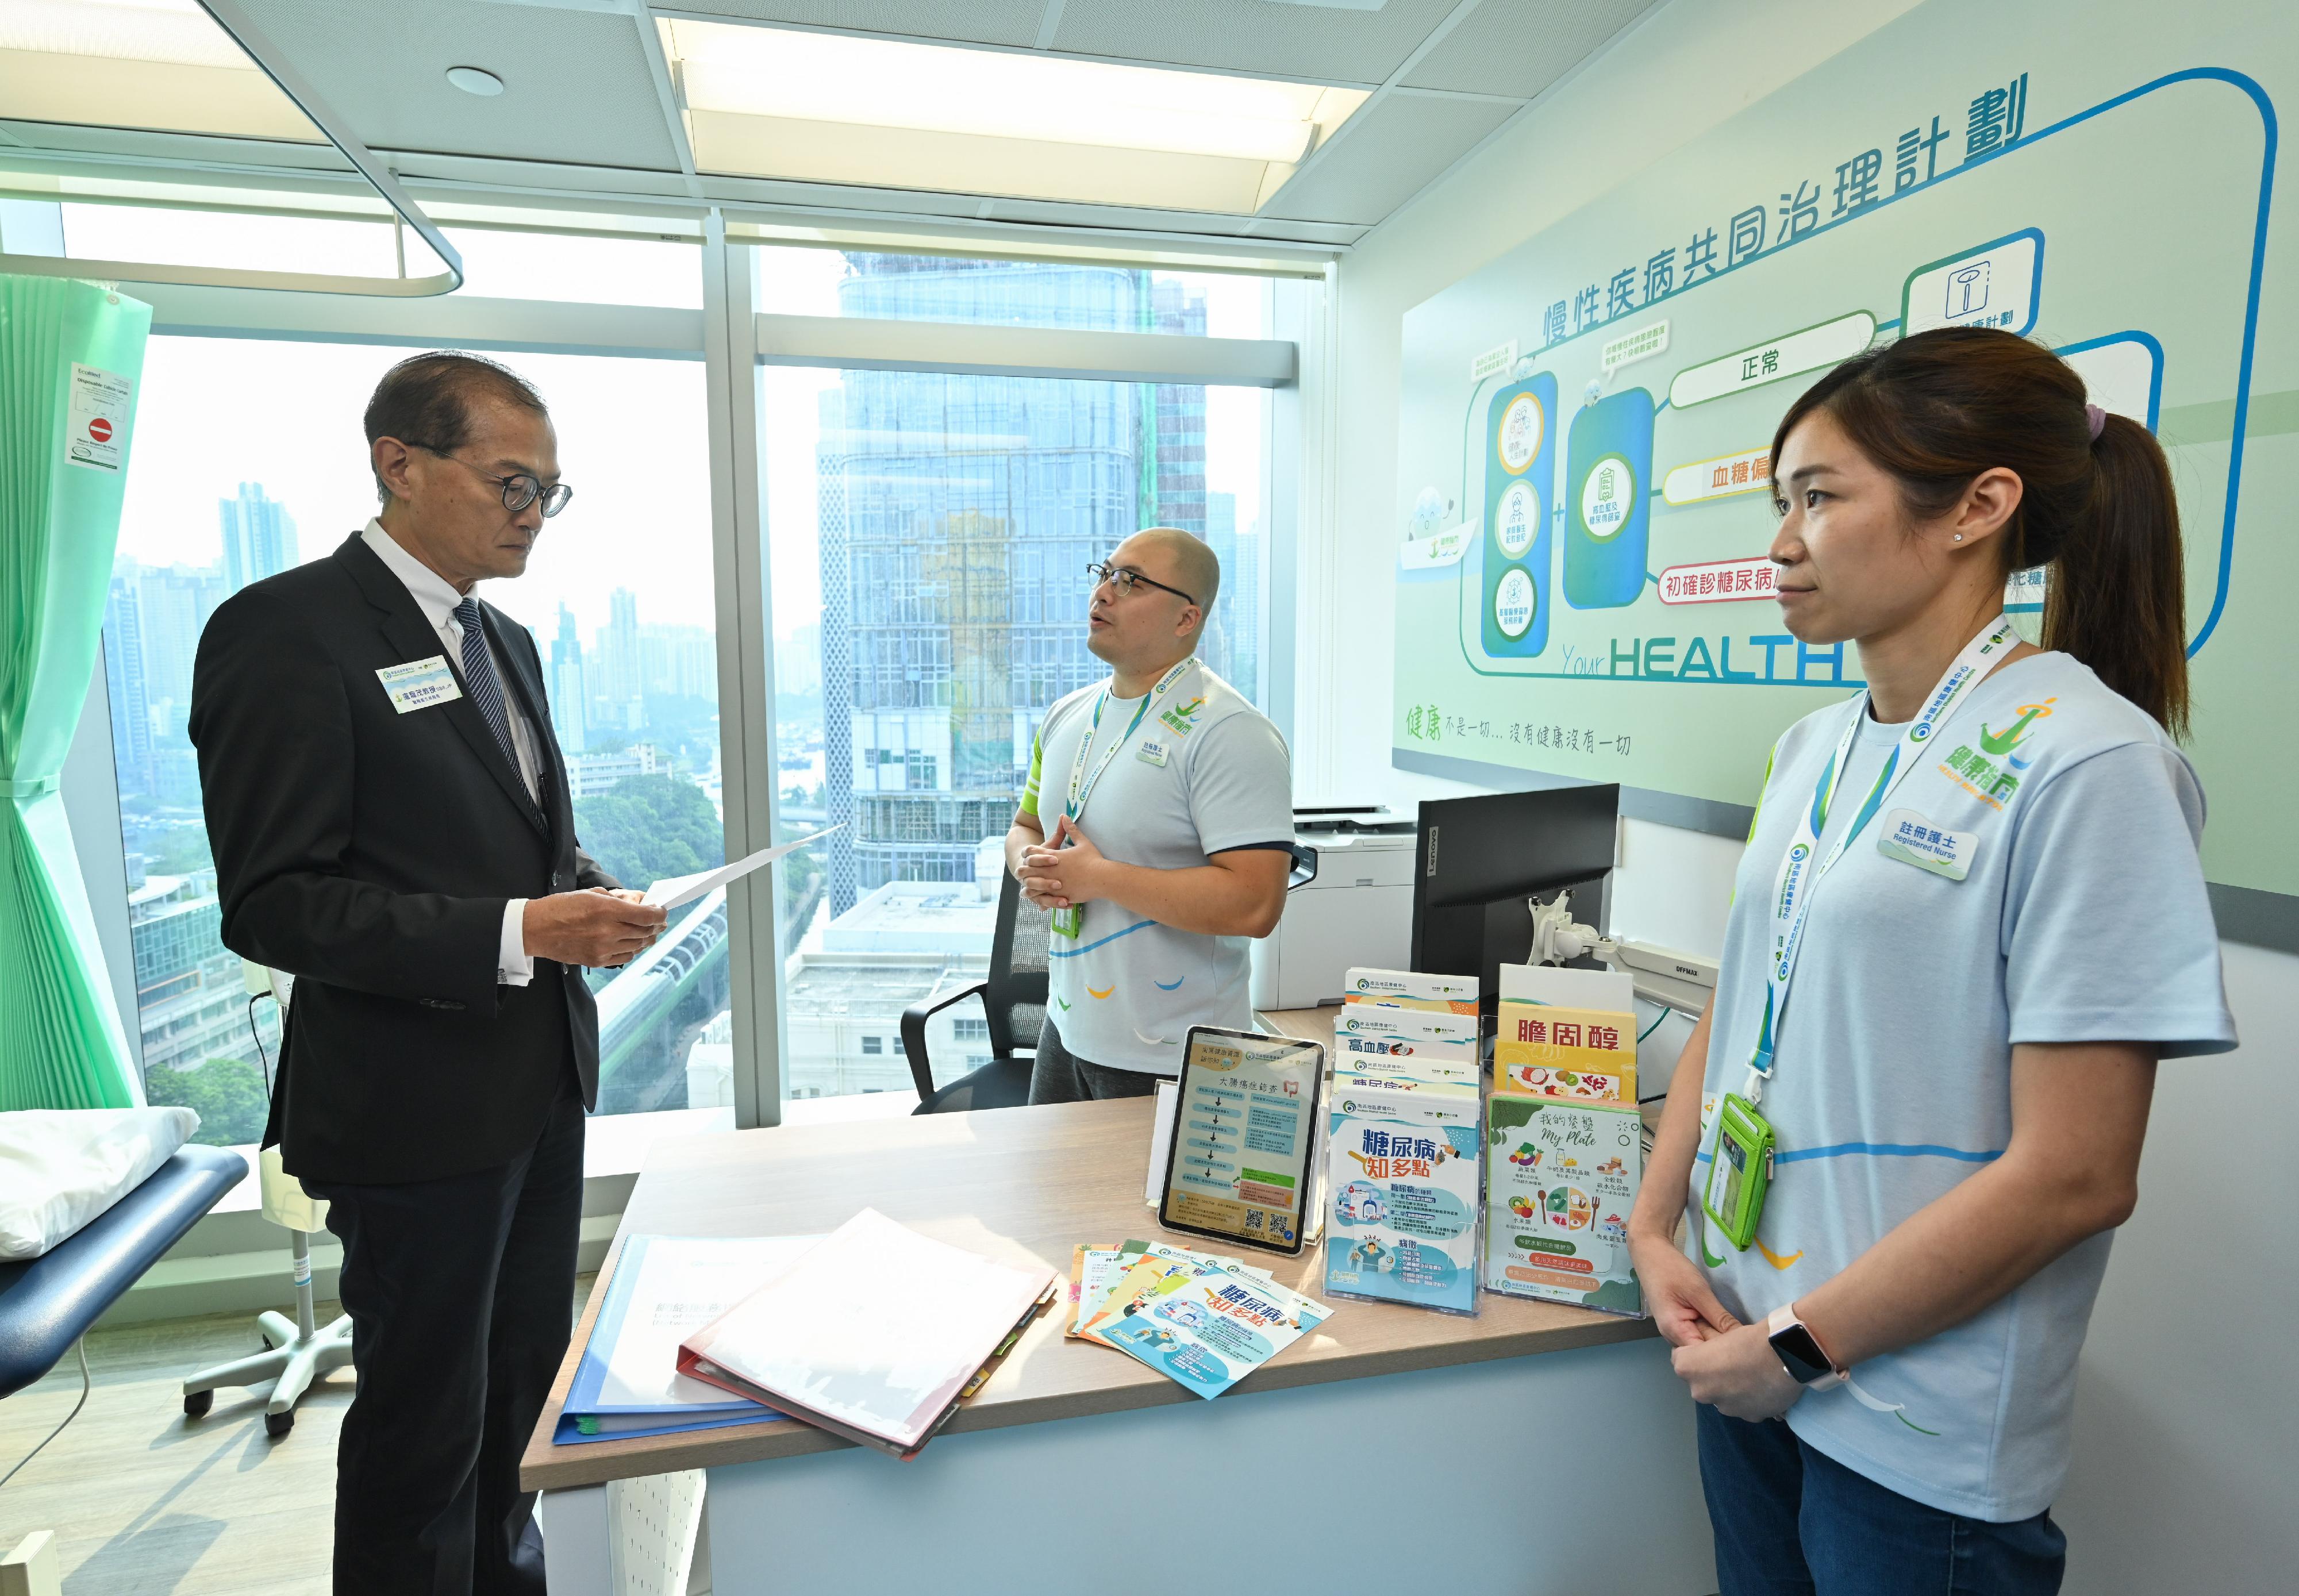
2095	419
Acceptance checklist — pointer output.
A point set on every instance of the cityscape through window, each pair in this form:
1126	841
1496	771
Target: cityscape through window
930	533
250	459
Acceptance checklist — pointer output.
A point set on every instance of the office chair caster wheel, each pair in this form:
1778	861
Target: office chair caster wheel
279	1423
196	1405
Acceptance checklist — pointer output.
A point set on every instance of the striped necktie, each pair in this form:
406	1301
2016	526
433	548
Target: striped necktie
479	678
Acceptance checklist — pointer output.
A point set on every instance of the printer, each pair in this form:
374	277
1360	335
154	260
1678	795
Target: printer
1357	910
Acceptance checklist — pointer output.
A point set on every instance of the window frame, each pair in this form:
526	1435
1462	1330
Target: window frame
733	340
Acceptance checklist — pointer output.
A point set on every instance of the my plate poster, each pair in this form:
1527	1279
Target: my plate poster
1581	584
1562	1180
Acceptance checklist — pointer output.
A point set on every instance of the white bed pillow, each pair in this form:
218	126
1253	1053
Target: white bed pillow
61	1167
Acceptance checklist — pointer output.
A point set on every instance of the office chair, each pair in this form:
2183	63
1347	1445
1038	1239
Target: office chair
1012	996
300	1350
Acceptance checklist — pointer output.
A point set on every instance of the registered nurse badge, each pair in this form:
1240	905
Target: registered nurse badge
1910	838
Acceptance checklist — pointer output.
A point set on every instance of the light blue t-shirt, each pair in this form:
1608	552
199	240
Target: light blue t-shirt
2083	919
1205	772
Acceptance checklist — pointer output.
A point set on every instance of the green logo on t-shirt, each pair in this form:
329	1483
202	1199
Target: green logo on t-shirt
1183	716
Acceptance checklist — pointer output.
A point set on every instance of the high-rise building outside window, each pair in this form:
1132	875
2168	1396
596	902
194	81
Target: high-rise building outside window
259	537
930	533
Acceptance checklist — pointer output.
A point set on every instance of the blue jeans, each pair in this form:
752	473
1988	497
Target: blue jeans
1789	1519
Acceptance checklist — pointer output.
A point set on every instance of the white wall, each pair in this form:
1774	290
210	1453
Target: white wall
2187	1409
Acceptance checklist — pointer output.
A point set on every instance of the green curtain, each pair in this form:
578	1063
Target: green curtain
71	354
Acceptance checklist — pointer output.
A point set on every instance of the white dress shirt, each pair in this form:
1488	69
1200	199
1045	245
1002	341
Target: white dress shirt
437	598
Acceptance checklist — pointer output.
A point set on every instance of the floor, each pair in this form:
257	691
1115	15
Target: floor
146	1502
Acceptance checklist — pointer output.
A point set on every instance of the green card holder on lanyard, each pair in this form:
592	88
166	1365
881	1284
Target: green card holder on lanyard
1742	1153
1071	921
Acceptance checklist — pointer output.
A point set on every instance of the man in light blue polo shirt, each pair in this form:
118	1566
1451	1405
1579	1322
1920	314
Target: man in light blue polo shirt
1154	830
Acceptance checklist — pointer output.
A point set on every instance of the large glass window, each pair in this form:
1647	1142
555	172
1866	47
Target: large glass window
929	535
249	458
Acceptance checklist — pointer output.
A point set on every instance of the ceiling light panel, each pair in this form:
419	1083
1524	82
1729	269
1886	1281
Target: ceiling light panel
882	83
961	21
160	64
176	32
832	108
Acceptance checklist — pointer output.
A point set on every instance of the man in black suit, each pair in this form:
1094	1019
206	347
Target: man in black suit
391	825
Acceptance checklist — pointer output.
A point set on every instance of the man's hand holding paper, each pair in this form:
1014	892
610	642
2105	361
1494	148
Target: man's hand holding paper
596	927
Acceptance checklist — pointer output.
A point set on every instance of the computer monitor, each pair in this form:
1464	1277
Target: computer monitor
1478	860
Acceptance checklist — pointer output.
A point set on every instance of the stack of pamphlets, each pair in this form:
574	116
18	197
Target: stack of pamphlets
1566	1032
1204	1320
1412	989
1402	1203
874	1334
663	1288
1373	1043
1562	1181
1371	1019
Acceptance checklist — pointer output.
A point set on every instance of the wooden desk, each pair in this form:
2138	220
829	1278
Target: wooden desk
1029	1184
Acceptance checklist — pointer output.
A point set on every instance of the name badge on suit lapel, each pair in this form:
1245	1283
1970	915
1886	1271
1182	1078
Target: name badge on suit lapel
419	685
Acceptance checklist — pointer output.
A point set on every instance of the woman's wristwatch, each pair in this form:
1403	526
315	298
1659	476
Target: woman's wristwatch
1800	1352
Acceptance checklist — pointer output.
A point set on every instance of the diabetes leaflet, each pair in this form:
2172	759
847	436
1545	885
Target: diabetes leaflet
1202	1320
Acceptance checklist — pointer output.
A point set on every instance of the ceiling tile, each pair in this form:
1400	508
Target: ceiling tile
1316	43
1519	47
576	86
976	21
1385	154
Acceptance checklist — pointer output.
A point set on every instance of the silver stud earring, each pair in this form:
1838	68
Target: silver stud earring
1959	537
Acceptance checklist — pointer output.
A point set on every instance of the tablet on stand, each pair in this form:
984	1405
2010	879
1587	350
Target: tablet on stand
1242	1165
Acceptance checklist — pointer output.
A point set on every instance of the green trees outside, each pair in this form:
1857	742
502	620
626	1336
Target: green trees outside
645	827
226	1094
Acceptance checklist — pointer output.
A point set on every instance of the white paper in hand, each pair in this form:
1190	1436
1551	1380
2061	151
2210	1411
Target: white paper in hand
672	890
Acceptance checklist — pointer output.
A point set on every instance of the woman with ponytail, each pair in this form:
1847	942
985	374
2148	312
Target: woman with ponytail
1969	923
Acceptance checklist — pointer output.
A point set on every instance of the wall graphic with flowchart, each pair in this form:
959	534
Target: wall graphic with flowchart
1586	423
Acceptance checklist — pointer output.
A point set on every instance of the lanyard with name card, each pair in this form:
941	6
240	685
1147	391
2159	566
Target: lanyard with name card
1746	1142
1794	886
1068	922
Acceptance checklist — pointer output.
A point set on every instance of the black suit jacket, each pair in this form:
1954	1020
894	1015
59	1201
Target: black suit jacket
370	853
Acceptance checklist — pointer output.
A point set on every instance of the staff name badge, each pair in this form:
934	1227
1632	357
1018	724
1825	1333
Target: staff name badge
1910	838
419	685
1152	751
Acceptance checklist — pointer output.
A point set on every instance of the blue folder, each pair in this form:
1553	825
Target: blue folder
619	1421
